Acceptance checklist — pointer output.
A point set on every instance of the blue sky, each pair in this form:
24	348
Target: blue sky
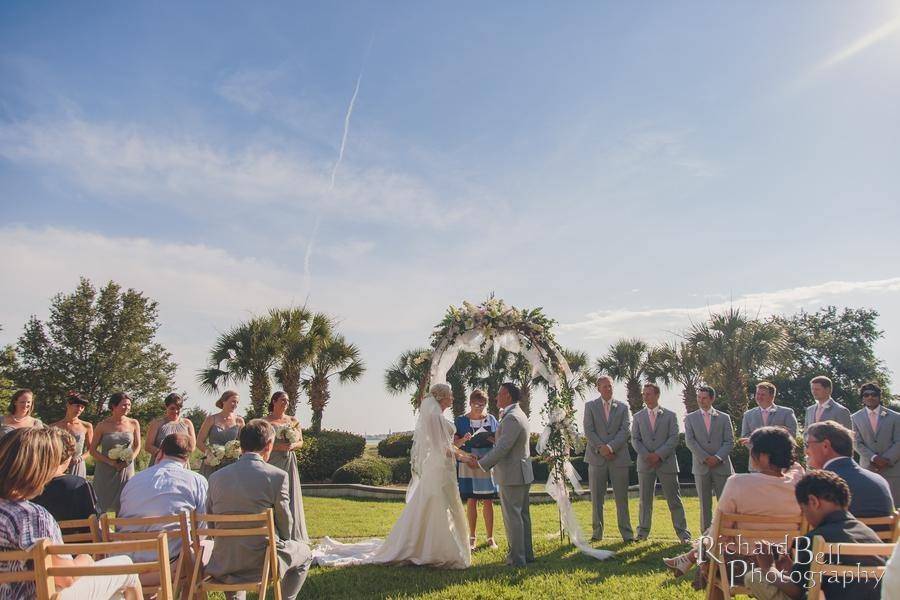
625	166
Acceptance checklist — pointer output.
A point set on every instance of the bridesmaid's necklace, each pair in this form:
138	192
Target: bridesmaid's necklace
18	419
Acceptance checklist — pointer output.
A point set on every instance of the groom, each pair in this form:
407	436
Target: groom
510	459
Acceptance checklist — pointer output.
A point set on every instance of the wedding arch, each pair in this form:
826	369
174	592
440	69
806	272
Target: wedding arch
527	332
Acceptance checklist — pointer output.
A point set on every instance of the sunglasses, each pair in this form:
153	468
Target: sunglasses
870	394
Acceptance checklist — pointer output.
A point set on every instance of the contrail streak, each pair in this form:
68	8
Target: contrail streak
349	114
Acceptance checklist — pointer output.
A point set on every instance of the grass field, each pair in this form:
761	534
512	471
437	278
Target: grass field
561	572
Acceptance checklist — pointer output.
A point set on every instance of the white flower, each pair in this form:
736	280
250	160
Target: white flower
121	452
421	358
214	455
233	449
289	434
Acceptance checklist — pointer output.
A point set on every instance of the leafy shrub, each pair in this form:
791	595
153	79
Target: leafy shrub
397	445
325	452
401	470
365	470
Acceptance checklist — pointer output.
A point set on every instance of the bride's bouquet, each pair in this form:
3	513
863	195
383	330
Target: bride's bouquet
121	452
289	434
233	450
215	454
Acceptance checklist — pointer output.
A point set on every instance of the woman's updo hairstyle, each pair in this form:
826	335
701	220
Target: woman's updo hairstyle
174	398
276	396
116	399
228	394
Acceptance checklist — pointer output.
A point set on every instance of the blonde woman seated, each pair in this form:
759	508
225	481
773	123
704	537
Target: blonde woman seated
767	492
29	458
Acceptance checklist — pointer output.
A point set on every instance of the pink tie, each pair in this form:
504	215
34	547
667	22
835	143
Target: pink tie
652	420
706	420
606	410
765	417
819	410
873	421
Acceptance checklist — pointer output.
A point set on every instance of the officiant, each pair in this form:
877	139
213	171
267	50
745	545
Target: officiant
475	433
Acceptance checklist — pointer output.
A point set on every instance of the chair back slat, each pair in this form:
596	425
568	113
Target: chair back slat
885	527
91	524
821	550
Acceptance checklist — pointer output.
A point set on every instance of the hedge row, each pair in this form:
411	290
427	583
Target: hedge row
325	452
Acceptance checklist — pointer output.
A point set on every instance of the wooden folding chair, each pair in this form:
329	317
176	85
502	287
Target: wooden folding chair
111	530
76	530
36	573
887	528
232	526
818	568
733	526
159	544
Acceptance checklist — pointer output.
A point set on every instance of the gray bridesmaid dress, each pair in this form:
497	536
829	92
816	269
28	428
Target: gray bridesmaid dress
219	436
167	428
77	466
4	428
287	462
108	482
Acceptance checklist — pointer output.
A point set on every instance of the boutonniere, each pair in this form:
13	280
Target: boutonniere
883	412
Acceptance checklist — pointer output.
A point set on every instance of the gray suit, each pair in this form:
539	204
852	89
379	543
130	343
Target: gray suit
885	442
782	417
718	442
834	411
511	462
613	433
662	440
250	486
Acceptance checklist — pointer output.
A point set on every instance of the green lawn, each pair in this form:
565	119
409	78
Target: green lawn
561	572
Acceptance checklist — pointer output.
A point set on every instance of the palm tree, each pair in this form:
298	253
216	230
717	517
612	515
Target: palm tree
408	372
682	362
300	333
631	361
734	347
244	353
335	358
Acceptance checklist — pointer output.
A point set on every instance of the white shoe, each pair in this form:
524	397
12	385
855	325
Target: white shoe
492	544
472	543
679	565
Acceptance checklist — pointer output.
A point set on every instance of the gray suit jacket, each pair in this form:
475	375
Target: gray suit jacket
510	457
717	442
783	417
834	411
251	485
884	442
613	433
662	440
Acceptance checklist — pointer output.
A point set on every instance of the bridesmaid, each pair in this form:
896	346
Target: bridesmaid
82	431
219	429
171	422
110	476
19	416
284	458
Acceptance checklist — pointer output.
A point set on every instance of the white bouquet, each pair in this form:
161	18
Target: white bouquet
233	450
121	452
214	455
289	434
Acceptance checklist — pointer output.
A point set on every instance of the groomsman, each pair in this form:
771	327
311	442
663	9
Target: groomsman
607	425
825	408
767	413
709	435
654	435
876	430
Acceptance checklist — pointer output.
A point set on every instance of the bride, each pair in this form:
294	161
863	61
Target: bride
432	528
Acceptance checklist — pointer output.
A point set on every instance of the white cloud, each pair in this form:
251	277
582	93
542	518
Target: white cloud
860	45
123	161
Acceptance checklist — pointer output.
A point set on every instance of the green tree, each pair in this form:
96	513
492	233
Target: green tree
833	342
633	362
196	415
682	362
96	343
7	372
245	353
334	358
735	349
407	373
300	334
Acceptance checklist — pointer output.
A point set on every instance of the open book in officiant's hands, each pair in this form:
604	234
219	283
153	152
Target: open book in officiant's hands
481	438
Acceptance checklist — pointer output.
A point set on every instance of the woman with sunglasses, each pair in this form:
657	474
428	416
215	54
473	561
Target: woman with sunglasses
82	431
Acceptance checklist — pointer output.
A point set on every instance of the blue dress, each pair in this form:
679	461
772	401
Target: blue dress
475	483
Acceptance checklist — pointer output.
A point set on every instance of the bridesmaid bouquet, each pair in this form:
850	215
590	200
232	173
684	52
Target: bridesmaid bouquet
233	450
289	435
121	452
214	455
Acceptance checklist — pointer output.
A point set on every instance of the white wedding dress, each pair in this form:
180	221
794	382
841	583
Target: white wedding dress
432	529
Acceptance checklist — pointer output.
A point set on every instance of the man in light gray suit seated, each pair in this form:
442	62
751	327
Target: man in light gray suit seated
876	430
654	435
510	460
709	435
607	426
767	413
249	486
825	408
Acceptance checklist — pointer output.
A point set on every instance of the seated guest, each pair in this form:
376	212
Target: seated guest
29	458
249	486
824	498
767	490
67	496
167	488
829	446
